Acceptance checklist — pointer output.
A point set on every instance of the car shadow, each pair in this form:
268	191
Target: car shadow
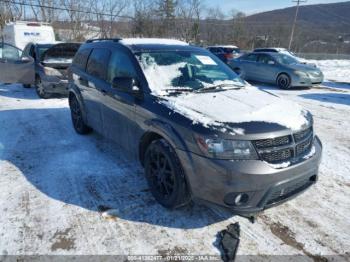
335	98
265	86
86	171
17	91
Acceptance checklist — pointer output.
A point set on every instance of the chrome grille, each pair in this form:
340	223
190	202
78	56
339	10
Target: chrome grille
285	148
272	142
303	147
277	155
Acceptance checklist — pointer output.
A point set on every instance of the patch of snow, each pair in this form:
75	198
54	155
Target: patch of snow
334	70
151	41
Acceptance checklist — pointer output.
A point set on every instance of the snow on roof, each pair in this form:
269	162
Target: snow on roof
151	41
225	46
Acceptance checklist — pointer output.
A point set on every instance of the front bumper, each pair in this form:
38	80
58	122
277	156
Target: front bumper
307	81
59	86
260	184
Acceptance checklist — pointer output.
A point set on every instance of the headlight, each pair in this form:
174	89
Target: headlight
226	149
301	74
52	72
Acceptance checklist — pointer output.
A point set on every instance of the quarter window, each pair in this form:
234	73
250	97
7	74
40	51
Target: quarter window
98	63
250	57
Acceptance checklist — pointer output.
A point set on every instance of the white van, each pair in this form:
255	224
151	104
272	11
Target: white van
20	33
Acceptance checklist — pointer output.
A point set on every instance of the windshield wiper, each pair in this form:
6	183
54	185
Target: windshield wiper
178	90
219	87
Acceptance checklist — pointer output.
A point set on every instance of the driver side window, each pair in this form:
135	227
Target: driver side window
9	52
120	65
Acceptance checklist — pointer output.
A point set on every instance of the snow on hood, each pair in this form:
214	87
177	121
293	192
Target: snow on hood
248	104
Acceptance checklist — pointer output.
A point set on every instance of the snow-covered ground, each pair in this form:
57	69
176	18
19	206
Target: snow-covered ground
55	185
334	70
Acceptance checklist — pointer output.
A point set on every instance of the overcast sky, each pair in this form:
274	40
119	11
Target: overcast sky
255	6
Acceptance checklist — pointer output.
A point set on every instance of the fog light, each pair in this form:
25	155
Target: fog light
241	199
236	199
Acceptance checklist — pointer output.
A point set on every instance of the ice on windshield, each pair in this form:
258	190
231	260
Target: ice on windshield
166	71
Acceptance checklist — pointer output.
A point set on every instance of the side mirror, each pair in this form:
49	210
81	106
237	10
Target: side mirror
271	62
126	84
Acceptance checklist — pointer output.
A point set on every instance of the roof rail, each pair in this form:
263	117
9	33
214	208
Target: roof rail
103	39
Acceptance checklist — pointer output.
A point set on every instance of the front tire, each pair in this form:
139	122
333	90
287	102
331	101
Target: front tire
165	175
39	88
77	117
283	81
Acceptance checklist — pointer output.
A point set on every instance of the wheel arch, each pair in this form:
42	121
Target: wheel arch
152	135
73	91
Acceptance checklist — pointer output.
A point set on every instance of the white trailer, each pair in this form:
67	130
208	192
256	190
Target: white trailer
20	33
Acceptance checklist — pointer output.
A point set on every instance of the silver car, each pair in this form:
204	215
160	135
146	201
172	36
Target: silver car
276	68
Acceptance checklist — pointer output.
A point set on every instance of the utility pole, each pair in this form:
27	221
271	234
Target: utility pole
295	21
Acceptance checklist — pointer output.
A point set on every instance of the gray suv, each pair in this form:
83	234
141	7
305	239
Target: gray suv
199	131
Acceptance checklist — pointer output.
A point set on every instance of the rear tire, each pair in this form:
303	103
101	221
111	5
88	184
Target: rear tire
165	175
77	117
283	81
39	88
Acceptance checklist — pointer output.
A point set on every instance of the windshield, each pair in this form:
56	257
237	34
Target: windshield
286	59
186	70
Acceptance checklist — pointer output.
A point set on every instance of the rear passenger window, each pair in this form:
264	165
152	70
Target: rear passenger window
98	63
251	57
120	65
80	59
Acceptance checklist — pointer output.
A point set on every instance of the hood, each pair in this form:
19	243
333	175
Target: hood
60	53
238	111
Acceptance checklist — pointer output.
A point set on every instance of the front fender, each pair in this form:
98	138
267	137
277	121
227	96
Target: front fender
168	132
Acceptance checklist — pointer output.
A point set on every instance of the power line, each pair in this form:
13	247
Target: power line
295	21
64	9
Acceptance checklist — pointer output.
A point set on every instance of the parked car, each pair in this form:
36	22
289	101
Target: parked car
20	33
276	68
282	51
51	64
225	52
198	129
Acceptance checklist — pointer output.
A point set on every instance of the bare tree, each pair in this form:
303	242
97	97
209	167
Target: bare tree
188	19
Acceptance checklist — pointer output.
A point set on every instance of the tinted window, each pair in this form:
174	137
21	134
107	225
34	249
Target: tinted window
120	65
250	57
232	50
98	63
9	52
80	59
215	50
265	59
